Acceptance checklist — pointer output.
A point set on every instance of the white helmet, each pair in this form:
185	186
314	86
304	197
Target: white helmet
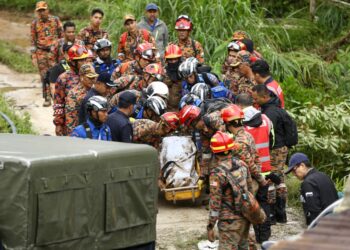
188	67
201	90
157	104
102	43
158	89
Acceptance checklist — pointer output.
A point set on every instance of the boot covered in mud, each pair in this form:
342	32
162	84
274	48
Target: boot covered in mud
281	215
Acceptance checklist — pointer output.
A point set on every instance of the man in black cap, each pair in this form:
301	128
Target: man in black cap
102	87
119	122
317	189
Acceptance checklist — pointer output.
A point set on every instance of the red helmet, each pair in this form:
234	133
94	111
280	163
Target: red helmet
188	114
170	119
91	54
154	69
77	52
173	51
146	51
221	142
183	22
232	112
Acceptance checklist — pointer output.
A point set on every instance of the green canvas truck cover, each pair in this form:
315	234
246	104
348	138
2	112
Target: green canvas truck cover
71	193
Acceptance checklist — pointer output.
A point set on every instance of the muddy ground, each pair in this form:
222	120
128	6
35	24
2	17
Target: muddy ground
179	226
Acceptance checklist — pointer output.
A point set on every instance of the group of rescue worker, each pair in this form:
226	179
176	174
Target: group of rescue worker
155	88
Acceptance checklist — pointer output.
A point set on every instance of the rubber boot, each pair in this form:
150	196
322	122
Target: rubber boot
281	215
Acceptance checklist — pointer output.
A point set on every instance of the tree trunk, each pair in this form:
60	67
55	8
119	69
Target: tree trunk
312	9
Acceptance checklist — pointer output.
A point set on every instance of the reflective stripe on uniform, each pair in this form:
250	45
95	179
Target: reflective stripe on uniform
262	145
264	159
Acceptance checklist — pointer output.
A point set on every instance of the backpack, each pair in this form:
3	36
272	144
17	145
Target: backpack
290	129
250	207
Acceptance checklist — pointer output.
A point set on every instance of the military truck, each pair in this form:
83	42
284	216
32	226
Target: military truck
71	193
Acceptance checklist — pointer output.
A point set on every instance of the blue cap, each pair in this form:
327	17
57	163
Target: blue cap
296	159
151	6
127	97
106	79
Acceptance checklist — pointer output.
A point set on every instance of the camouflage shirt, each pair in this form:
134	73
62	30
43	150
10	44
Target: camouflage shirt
175	89
89	36
225	200
191	48
127	43
44	34
64	83
144	131
245	150
128	68
73	101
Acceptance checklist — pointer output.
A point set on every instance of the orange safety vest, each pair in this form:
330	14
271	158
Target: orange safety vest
261	137
275	88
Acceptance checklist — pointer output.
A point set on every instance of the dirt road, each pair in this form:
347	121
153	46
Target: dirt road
179	226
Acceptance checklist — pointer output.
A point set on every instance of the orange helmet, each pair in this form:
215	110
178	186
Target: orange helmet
172	51
232	112
170	119
221	142
77	52
146	51
239	35
188	114
183	22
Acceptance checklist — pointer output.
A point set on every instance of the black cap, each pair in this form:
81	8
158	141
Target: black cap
127	97
260	67
106	79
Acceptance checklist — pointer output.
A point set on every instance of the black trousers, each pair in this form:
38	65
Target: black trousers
263	231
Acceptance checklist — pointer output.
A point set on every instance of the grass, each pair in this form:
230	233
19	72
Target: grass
293	186
22	123
15	58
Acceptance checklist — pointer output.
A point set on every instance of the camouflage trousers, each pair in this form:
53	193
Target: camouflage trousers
278	160
45	60
233	234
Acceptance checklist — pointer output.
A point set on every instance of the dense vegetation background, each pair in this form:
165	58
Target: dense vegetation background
308	56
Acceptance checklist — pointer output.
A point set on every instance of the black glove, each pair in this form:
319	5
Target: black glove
274	178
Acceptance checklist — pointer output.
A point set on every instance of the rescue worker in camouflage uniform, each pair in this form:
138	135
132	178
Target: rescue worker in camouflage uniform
45	31
188	46
69	38
225	199
134	36
151	132
90	34
173	59
76	95
144	55
77	57
102	87
245	149
104	62
277	196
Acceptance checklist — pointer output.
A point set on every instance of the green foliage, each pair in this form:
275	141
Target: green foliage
15	58
22	124
323	136
293	187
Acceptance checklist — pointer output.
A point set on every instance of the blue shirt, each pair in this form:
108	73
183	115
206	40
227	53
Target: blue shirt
103	133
